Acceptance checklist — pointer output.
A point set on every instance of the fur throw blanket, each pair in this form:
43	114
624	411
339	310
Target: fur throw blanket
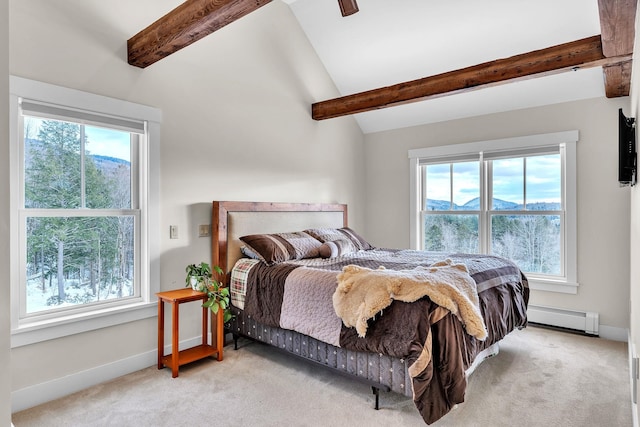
363	292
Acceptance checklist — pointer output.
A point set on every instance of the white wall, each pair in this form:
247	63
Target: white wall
236	126
5	359
603	207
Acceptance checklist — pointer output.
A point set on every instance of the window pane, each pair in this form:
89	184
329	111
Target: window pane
508	184
466	186
451	233
463	177
544	182
78	260
108	168
438	184
531	241
52	164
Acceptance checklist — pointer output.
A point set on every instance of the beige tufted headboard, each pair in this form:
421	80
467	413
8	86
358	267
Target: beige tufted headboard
231	220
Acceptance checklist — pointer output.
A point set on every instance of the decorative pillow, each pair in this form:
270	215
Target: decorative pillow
279	247
331	234
246	251
337	247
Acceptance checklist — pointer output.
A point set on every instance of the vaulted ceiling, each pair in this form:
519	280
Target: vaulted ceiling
410	62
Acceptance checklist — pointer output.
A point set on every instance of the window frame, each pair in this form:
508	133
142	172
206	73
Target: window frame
567	140
32	329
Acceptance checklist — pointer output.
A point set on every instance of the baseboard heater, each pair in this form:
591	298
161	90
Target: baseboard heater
583	321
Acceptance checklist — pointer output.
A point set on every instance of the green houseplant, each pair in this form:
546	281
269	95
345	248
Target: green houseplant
198	275
200	278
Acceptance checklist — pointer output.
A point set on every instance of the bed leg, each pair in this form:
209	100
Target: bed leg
376	392
235	341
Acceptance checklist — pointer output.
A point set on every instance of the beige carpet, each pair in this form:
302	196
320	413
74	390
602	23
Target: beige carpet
540	378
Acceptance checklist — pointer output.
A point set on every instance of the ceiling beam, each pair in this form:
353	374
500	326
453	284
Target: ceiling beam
584	53
617	25
617	79
184	25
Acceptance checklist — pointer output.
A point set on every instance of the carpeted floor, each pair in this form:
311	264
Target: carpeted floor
541	377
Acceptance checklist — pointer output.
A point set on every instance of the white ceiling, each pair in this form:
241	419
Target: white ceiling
389	42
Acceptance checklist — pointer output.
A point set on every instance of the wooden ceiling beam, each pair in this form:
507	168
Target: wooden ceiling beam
617	79
195	19
184	25
617	25
584	53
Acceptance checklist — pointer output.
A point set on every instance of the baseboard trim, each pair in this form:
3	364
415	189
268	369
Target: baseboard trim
37	394
613	333
631	348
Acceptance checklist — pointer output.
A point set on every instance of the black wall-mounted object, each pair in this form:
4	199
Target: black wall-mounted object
626	150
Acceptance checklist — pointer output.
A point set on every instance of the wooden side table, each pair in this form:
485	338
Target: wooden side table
177	358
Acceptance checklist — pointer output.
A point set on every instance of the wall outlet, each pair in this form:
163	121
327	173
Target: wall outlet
173	231
204	230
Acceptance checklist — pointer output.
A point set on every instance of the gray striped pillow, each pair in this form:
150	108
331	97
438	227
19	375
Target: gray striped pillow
337	247
331	234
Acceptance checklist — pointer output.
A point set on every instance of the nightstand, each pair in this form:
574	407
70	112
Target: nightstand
177	358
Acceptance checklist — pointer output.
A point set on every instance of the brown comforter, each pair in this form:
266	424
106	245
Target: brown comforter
298	295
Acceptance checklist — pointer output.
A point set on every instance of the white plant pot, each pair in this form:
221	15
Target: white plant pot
194	283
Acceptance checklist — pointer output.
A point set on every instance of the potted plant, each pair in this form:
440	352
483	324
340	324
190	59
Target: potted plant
199	277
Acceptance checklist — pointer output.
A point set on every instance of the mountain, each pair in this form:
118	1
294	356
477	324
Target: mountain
107	164
439	205
107	159
498	204
110	165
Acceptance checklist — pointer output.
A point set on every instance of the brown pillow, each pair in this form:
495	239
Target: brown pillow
331	234
279	247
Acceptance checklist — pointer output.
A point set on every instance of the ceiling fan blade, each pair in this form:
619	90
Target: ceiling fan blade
348	7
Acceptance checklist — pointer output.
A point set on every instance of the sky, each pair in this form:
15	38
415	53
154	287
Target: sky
102	141
109	142
542	180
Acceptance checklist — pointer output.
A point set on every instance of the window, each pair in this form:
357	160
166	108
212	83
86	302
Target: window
514	198
83	191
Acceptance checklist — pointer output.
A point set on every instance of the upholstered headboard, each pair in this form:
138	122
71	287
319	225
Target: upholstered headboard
231	220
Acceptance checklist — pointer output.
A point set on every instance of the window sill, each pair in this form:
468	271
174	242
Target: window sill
547	285
70	325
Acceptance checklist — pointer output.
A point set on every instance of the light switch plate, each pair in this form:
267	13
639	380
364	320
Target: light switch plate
173	231
204	230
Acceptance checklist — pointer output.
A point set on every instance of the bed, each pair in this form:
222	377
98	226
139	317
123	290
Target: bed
301	281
